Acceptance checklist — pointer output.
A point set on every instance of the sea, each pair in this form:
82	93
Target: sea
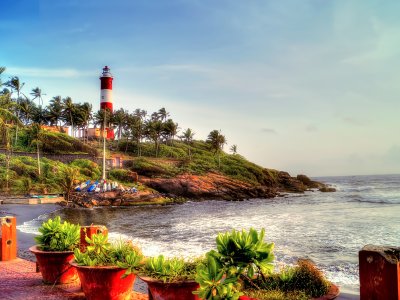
328	228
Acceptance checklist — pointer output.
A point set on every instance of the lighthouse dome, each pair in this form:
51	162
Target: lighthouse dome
106	72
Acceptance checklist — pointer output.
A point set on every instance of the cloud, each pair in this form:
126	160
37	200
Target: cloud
354	121
48	72
311	128
269	130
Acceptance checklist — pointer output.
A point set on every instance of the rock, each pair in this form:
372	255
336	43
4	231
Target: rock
94	202
327	189
308	182
104	203
209	186
117	202
63	203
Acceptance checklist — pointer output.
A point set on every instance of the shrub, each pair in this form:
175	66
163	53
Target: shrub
57	236
170	269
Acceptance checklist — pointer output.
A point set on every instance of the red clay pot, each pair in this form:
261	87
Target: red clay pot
54	266
105	283
246	298
160	290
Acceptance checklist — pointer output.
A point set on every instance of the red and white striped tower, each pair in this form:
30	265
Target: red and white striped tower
106	98
106	79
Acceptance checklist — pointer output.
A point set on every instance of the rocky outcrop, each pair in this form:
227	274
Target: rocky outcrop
217	186
210	186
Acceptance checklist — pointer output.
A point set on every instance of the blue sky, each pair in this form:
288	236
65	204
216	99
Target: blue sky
306	86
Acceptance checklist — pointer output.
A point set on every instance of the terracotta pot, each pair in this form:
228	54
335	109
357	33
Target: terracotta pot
159	290
105	283
88	231
246	298
54	266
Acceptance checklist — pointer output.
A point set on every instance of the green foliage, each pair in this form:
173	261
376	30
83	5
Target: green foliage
87	168
213	284
51	142
100	252
276	295
170	269
240	254
246	251
58	236
152	168
308	278
304	278
121	175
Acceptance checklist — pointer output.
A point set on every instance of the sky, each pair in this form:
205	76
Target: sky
306	86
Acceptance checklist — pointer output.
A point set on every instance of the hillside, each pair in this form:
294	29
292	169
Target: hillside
189	170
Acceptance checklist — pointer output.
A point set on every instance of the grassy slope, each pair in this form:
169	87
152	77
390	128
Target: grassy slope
172	161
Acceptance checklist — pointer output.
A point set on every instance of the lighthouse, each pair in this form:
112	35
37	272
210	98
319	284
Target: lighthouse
106	98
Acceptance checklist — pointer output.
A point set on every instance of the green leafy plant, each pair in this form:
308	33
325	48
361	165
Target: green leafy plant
58	236
100	252
170	269
240	255
213	285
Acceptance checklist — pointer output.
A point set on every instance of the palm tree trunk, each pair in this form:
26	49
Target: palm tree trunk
38	157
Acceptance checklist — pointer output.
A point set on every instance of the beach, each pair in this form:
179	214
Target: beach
27	213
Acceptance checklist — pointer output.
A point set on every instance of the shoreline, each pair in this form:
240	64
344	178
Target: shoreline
25	212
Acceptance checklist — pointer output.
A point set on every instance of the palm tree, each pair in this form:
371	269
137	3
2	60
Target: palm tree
233	149
15	84
6	120
170	130
66	180
25	110
187	137
36	135
162	114
217	142
82	117
37	94
153	131
68	111
119	120
54	111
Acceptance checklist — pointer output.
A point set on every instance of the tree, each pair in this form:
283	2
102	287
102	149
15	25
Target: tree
217	142
7	118
162	114
82	116
187	137
37	94
67	181
153	131
233	149
55	111
119	120
170	130
68	113
36	135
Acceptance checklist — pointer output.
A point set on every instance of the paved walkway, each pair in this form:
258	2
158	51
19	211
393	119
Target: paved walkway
19	281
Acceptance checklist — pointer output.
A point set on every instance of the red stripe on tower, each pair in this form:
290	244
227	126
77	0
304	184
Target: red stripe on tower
106	98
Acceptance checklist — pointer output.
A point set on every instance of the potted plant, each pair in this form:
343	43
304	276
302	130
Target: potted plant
54	250
107	270
170	278
242	268
240	255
